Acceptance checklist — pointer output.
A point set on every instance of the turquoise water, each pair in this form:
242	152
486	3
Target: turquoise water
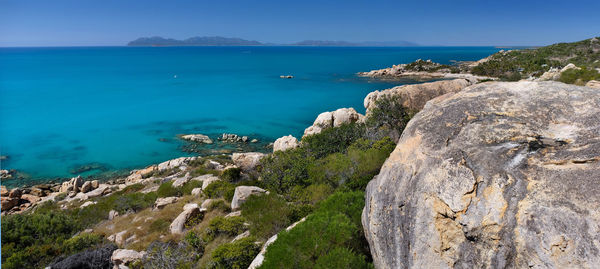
123	106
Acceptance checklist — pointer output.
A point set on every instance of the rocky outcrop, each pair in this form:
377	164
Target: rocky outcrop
247	161
162	202
421	70
190	211
180	163
333	119
199	138
125	257
137	175
500	175
593	84
180	181
415	96
72	185
242	193
555	73
233	138
284	143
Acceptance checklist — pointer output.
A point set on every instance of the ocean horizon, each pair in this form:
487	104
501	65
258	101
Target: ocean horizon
64	110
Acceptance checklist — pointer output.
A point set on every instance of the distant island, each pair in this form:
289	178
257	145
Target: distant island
233	41
193	41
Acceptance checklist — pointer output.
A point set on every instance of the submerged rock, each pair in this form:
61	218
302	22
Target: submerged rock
500	175
200	138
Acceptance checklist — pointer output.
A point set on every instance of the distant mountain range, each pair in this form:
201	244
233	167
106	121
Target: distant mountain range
226	41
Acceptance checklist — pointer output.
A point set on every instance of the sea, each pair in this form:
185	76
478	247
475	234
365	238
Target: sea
95	111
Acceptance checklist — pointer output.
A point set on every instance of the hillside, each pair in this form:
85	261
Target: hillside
517	64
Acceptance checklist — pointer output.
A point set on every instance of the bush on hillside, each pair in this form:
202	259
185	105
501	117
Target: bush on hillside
579	76
267	214
235	255
220	225
220	189
333	140
169	255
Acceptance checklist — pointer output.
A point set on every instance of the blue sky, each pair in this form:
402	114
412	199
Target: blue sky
446	22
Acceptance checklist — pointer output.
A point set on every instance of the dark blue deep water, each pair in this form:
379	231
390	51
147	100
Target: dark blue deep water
122	107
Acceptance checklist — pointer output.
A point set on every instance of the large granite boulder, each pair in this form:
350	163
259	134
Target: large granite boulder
125	257
415	96
333	119
247	161
593	84
500	175
242	193
190	211
284	143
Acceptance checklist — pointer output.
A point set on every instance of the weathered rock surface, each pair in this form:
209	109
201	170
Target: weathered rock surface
189	211
247	161
125	256
500	175
137	175
162	202
180	181
242	193
284	143
333	119
200	138
415	96
593	84
72	185
180	163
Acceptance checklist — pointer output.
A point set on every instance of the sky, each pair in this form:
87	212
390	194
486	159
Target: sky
432	23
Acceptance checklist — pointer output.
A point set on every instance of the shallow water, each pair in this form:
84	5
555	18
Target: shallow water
122	107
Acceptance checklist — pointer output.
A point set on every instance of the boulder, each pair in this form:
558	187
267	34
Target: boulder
180	163
500	175
180	181
234	214
102	189
95	184
31	198
72	185
206	179
190	211
88	203
593	84
86	186
37	192
333	119
15	193
197	191
210	164
285	143
200	138
5	174
242	193
162	202
3	191
125	256
8	203
415	96
247	161
137	175
112	214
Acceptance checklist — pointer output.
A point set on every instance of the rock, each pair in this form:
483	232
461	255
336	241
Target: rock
180	181
206	180
162	202
8	203
31	198
593	84
200	138
285	143
247	161
189	211
125	256
15	193
196	191
3	191
233	138
508	177
241	236
244	139
72	185
180	163
333	119
254	140
242	193
415	96
102	189
137	175
37	192
88	203
112	214
118	238
210	164
95	184
5	174
569	67
552	74
234	214
86	187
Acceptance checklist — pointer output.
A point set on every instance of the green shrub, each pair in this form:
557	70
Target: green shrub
311	194
579	76
134	202
218	205
267	214
388	118
235	255
220	189
285	169
169	255
333	170
231	174
333	140
81	242
224	226
204	171
187	188
195	241
331	237
167	190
